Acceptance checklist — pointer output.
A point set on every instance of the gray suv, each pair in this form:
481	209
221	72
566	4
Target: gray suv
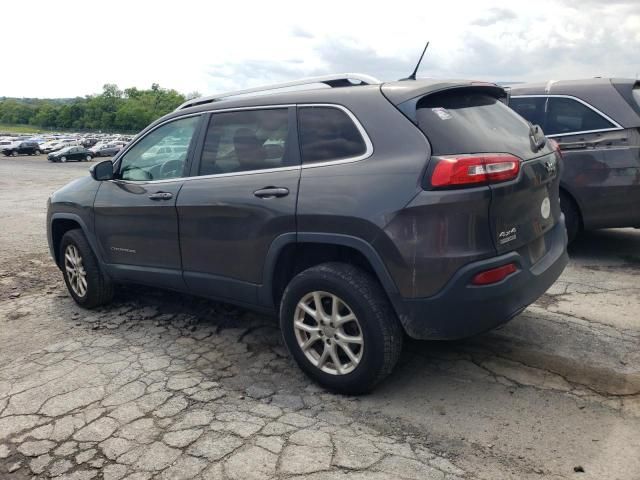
597	125
357	211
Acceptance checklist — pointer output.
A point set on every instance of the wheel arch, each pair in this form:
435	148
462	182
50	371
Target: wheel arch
60	224
291	253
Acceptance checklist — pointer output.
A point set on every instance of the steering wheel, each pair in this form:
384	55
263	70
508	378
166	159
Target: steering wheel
170	169
136	173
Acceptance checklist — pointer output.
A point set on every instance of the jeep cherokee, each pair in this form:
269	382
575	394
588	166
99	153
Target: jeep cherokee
357	213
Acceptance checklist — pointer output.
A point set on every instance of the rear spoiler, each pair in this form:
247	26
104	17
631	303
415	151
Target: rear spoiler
406	95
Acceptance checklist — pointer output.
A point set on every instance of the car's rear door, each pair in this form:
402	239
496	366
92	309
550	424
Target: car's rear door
135	214
243	198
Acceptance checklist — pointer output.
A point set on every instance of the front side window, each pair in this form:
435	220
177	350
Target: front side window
327	133
566	116
148	160
246	140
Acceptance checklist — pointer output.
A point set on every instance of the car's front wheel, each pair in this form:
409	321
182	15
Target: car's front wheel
14	153
88	158
63	159
339	326
86	282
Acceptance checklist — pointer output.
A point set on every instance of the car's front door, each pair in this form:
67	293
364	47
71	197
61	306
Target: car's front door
135	216
243	198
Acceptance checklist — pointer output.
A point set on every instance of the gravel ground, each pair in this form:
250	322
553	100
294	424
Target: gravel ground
160	385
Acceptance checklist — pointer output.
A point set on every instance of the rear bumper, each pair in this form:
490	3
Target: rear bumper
462	310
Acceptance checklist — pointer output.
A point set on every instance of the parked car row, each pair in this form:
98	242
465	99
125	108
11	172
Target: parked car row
102	145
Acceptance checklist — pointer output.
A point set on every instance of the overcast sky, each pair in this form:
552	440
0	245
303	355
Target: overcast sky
68	48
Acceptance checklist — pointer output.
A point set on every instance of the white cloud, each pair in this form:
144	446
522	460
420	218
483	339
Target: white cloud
73	47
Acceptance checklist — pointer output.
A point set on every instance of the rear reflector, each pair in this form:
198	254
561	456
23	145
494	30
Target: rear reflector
555	145
460	170
494	275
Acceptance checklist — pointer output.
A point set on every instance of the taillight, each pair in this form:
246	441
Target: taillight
494	275
454	170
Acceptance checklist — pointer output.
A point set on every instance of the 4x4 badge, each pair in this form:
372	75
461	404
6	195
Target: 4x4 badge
507	236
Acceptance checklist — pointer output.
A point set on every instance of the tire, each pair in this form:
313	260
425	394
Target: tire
572	218
375	323
63	159
99	288
37	152
88	158
14	153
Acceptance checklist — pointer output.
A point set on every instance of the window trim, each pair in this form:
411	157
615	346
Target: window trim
121	154
204	114
616	126
292	131
363	133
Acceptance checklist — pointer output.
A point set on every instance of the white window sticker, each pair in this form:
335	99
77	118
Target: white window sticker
442	113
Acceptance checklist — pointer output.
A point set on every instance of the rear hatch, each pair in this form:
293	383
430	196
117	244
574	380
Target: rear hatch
470	123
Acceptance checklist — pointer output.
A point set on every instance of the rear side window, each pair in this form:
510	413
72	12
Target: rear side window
471	122
565	116
246	140
328	133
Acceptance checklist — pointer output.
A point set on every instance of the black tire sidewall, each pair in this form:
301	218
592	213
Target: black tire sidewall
571	218
365	374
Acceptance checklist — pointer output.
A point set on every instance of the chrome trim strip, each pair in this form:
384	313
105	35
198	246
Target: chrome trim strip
583	132
617	126
215	175
368	152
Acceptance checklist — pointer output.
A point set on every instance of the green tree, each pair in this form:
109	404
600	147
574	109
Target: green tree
128	110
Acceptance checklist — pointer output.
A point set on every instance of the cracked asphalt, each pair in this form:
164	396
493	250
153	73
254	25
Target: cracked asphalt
168	386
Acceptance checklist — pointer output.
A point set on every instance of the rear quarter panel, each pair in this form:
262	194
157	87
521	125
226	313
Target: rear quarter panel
360	198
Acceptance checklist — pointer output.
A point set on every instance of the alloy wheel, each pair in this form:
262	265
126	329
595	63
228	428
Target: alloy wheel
328	333
75	271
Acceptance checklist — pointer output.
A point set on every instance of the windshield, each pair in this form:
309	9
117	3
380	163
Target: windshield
636	95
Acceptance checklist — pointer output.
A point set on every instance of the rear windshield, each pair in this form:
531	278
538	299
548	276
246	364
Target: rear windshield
459	122
636	95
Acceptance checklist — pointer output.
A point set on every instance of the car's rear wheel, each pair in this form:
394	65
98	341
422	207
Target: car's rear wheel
572	217
340	327
86	282
63	159
37	152
88	158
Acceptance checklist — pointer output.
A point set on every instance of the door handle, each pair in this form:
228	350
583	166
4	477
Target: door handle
271	192
161	196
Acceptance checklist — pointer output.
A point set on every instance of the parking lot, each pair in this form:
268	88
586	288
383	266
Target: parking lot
161	385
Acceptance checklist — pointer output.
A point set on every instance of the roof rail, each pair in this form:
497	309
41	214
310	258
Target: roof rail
334	80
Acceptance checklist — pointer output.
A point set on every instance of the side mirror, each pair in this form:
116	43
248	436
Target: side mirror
102	171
